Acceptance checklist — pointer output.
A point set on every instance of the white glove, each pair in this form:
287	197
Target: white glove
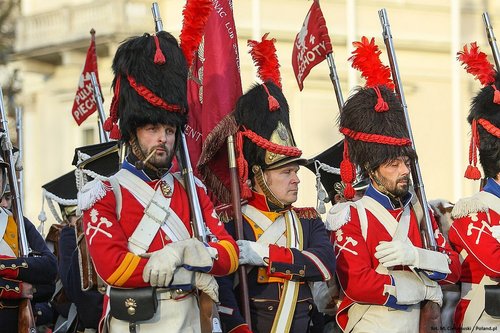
412	289
399	252
495	232
162	263
161	266
207	283
252	253
396	253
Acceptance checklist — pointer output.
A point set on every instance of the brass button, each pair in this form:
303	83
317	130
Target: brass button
310	306
287	271
270	308
12	235
13	265
302	272
2	266
16	288
261	278
34	290
24	264
273	270
7	286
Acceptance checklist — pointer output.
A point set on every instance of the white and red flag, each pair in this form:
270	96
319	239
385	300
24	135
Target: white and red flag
312	44
213	90
84	104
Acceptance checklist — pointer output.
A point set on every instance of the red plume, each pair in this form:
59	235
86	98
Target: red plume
264	57
477	64
195	13
366	59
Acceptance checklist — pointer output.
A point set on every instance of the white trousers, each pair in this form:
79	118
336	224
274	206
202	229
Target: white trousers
379	318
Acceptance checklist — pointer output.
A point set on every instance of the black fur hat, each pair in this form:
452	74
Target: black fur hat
358	115
253	112
485	116
150	84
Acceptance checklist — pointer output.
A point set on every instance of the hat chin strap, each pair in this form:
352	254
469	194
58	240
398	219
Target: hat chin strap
137	151
382	188
261	181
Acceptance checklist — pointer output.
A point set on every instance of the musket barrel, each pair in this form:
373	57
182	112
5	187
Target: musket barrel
335	80
428	235
492	40
16	202
156	16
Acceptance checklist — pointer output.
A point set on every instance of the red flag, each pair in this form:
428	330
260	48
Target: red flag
312	44
216	68
84	104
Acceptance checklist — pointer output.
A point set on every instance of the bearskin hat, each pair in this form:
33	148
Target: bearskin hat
359	116
252	113
150	84
484	115
372	119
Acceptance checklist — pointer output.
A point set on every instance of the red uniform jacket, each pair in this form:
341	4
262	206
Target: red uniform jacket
470	235
356	263
107	238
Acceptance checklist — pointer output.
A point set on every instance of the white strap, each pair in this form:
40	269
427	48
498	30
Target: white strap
157	212
286	309
274	232
475	293
386	219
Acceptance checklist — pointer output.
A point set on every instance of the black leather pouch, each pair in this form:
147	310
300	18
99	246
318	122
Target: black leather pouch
133	305
492	301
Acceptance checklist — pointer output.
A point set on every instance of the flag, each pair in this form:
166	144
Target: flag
84	104
212	93
312	44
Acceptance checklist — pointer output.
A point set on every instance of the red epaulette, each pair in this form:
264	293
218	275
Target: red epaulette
306	212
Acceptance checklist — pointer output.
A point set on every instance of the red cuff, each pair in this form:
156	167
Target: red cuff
280	254
11	289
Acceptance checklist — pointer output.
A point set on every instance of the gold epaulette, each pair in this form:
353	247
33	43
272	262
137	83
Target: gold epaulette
306	212
226	211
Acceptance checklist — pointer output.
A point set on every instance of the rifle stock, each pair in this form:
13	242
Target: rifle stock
430	312
238	223
26	320
209	315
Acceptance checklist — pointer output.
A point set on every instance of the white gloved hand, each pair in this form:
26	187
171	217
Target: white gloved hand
396	253
207	283
161	266
162	263
412	289
252	253
495	232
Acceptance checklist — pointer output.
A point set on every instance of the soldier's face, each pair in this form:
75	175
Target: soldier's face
394	176
284	182
160	137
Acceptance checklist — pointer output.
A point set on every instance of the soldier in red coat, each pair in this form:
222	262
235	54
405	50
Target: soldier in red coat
137	223
475	232
382	268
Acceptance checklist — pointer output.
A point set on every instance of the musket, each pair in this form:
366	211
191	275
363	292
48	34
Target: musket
209	323
430	314
20	143
335	80
103	135
238	223
26	320
492	40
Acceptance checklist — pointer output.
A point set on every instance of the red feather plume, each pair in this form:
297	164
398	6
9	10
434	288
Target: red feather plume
366	59
477	64
195	13
264	57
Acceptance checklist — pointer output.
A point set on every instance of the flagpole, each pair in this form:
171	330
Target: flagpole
103	135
